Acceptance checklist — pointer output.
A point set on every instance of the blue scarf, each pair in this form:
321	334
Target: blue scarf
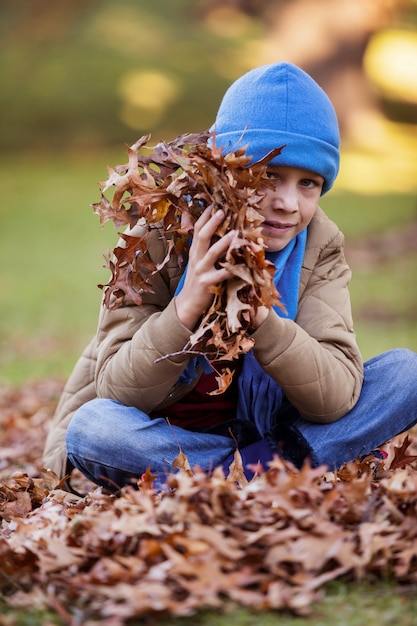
259	395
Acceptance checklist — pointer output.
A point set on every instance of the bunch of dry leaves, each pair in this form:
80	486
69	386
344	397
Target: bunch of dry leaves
209	541
170	185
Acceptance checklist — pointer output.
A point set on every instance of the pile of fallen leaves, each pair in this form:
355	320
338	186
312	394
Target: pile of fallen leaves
271	543
170	186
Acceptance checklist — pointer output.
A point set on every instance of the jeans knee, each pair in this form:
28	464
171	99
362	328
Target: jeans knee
83	426
407	361
398	358
403	354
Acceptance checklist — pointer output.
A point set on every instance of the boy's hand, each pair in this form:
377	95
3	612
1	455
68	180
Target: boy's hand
195	298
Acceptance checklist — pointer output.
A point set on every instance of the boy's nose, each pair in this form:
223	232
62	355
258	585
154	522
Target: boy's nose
285	198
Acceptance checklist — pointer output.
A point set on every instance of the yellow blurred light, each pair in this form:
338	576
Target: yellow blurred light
372	174
382	159
391	63
148	90
146	96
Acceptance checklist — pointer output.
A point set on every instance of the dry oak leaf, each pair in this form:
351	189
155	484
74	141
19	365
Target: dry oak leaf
401	457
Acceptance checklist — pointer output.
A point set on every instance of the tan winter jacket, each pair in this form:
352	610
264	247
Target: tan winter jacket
315	359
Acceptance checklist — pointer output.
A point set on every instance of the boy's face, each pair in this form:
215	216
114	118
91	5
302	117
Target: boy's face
290	205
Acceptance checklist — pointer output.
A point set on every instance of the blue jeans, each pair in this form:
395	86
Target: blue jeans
112	444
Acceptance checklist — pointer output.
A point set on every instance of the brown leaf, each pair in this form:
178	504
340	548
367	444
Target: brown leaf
181	462
236	472
224	380
147	479
401	458
20	506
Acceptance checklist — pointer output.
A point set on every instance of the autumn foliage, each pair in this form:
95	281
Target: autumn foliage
171	184
209	541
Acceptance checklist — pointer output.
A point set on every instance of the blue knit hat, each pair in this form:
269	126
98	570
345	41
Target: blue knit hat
279	104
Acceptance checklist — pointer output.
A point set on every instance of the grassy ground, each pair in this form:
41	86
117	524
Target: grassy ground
51	257
384	266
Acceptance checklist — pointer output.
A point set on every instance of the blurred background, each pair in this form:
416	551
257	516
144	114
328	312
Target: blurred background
81	79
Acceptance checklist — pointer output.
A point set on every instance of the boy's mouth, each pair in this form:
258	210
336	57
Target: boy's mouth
278	226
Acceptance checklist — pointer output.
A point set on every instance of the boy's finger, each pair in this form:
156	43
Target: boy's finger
206	217
203	219
219	247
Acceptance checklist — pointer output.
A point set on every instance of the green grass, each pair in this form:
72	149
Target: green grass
358	215
51	254
384	297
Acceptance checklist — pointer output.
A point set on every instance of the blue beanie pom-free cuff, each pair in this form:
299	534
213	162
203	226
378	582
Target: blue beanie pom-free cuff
307	153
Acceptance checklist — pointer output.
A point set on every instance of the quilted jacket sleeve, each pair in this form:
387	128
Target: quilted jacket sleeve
132	339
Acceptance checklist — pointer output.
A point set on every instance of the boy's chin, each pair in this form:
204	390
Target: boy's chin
276	246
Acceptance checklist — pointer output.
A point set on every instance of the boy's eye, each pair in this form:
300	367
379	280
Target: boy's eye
272	176
310	183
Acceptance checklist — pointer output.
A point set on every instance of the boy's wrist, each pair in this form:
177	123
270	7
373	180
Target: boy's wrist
186	316
261	315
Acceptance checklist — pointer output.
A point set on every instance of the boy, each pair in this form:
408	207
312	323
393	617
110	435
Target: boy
302	391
